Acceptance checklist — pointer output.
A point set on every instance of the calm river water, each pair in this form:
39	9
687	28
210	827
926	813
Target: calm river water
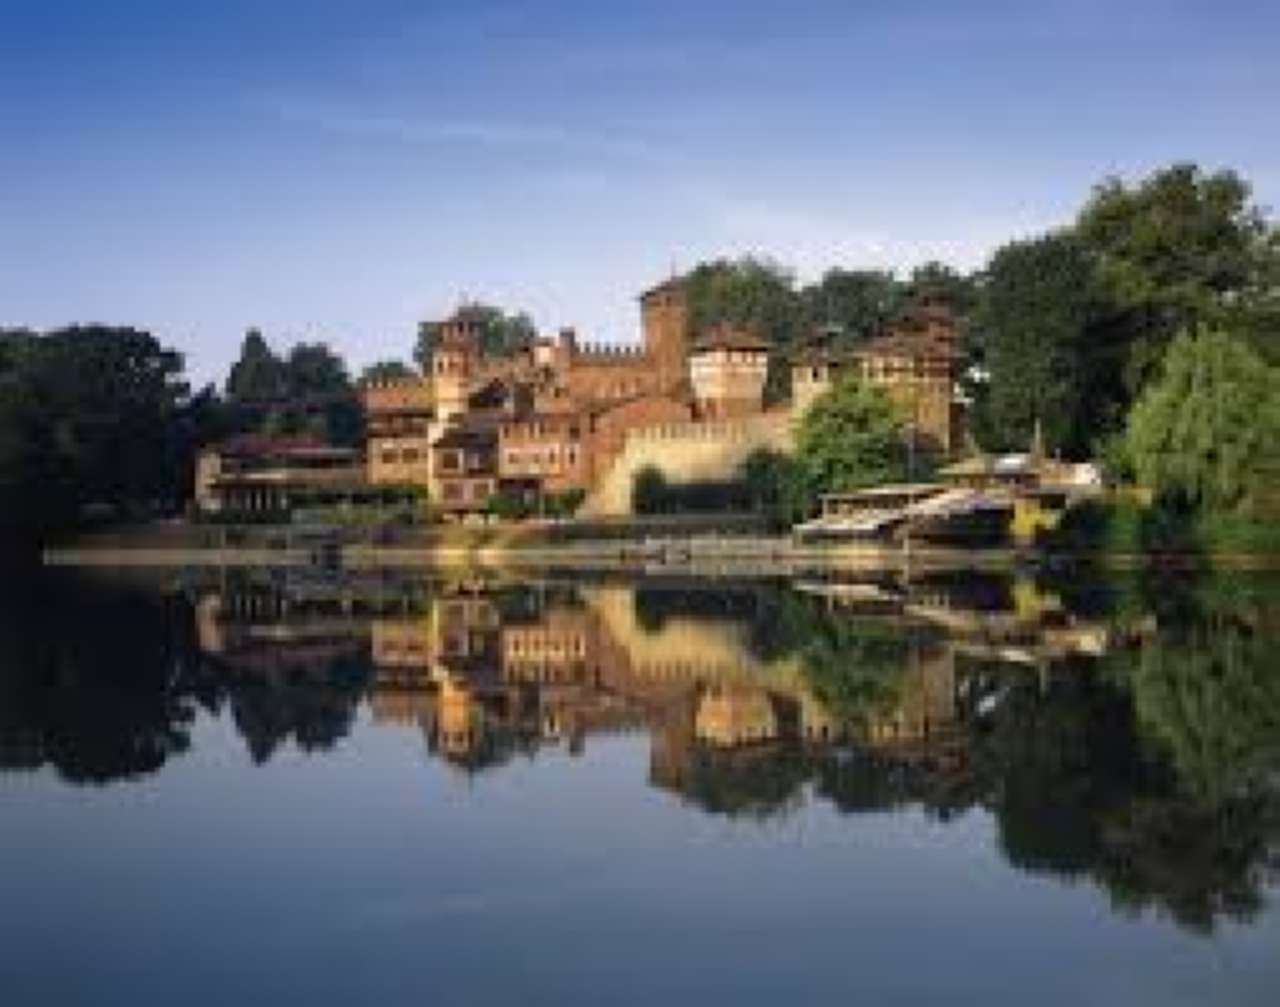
274	787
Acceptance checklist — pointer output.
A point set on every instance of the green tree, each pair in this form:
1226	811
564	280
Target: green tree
1178	250
1039	303
936	281
87	418
649	492
851	438
321	396
313	369
776	487
258	374
308	391
1211	696
858	303
501	333
1206	433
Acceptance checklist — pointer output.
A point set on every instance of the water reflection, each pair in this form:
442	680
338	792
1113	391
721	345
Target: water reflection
1115	735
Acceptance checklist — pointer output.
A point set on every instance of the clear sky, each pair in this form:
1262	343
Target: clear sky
339	170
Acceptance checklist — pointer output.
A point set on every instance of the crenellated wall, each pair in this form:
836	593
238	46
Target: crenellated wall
687	452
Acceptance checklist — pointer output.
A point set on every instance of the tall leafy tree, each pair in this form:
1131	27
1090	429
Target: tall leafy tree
312	369
1039	309
308	391
1179	249
856	303
258	375
1206	432
86	419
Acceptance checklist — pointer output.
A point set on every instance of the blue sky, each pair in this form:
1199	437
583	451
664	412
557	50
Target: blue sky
339	170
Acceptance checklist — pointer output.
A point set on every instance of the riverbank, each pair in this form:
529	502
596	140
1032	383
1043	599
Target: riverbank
685	547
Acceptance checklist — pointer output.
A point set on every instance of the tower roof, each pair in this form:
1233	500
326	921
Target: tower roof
673	285
727	336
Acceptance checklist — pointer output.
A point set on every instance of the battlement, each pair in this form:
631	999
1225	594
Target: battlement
608	353
378	384
747	428
397	394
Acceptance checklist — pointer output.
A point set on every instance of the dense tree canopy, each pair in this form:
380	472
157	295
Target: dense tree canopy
1206	432
500	332
850	438
777	487
90	416
1177	250
98	421
1039	310
258	375
308	391
853	304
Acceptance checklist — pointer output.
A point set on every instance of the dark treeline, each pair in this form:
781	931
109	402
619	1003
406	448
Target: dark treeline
92	417
98	423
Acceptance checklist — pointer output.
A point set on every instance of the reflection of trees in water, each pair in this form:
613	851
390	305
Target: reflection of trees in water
1156	779
1211	696
859	781
1152	773
1053	763
760	782
1207	696
315	708
94	683
103	681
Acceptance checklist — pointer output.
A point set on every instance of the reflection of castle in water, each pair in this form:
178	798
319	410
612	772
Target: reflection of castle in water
485	670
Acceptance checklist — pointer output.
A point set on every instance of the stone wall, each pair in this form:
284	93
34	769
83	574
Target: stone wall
686	452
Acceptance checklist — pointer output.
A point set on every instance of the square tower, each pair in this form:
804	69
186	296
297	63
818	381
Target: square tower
664	315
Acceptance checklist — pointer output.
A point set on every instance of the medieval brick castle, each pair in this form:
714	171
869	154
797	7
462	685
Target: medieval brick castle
558	415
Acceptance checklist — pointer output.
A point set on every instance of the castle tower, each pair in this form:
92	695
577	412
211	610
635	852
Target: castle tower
815	369
727	368
453	364
664	316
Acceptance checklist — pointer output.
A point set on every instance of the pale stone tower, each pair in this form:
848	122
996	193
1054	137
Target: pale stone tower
453	365
727	368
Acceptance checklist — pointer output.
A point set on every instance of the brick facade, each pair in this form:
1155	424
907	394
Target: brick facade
558	414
